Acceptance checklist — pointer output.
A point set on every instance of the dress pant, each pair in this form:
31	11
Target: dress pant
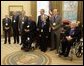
16	36
66	46
7	34
27	43
55	39
43	43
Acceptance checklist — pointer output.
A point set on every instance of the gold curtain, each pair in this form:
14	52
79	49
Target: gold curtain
56	4
34	9
80	12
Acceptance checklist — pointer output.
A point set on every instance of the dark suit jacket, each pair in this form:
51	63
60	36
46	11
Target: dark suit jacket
45	28
31	28
75	35
4	23
15	25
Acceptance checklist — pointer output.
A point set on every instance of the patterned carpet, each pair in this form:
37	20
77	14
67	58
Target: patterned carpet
26	58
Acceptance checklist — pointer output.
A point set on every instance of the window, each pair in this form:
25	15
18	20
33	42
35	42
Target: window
70	10
42	5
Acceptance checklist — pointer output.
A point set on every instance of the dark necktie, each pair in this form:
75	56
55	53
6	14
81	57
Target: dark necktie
43	24
6	20
54	18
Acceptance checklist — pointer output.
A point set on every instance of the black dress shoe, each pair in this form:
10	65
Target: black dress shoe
14	42
9	43
51	49
65	55
17	42
4	43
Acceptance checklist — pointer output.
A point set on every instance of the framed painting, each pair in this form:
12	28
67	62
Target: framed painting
15	8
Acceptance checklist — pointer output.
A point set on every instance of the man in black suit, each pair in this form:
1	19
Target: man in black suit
15	21
70	36
28	34
22	20
7	28
43	28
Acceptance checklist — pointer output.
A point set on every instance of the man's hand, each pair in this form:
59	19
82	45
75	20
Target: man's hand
27	30
68	38
53	28
6	28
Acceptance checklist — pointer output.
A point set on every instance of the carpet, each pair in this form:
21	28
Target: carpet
26	58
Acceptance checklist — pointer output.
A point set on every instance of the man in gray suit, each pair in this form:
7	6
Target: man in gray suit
23	19
55	24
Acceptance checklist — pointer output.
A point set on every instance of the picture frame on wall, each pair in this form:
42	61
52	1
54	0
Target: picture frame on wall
15	8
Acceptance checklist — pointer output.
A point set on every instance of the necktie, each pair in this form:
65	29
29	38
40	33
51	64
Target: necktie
42	24
71	32
54	18
6	20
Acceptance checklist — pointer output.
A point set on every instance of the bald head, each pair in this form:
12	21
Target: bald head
55	11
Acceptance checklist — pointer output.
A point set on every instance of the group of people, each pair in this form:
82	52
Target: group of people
45	32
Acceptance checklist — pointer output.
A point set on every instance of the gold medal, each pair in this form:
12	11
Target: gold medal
14	21
22	22
54	24
6	24
41	30
28	26
28	38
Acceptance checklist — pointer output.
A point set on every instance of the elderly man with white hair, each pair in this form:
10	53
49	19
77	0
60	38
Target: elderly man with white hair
70	36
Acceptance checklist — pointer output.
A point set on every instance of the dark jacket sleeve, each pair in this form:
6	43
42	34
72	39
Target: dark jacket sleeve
3	24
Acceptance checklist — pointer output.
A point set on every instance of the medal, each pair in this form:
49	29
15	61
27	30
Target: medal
41	30
22	22
28	26
14	21
28	38
6	24
54	24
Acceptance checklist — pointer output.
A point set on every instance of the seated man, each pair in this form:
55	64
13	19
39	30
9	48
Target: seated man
70	36
28	34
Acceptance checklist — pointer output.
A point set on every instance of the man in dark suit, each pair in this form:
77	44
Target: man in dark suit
55	23
7	28
43	28
28	34
15	21
23	18
70	36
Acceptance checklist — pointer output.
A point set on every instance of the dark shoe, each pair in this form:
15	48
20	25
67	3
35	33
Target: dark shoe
61	54
9	43
51	49
22	48
14	42
65	55
17	42
4	42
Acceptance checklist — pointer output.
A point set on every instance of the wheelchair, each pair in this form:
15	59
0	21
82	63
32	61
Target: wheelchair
76	49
